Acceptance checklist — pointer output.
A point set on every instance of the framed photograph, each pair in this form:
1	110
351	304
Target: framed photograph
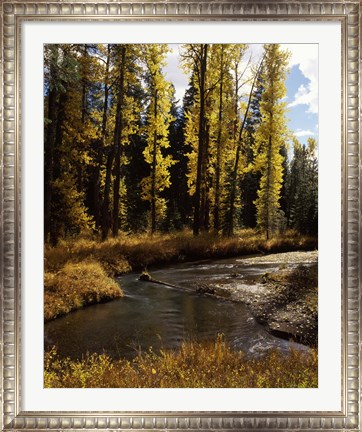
180	215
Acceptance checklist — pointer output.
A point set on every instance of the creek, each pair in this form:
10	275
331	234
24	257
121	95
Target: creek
161	317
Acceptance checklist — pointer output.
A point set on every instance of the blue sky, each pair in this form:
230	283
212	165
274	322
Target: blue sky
301	83
301	121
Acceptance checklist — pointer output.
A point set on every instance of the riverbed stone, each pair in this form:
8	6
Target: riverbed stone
284	300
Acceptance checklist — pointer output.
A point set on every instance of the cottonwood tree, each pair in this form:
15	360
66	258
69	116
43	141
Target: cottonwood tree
123	119
100	145
195	59
270	136
113	133
156	130
210	124
240	158
66	144
249	182
221	112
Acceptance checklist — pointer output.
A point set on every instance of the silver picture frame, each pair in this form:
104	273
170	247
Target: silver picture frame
13	13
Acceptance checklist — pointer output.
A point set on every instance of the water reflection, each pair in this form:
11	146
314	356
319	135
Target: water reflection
156	316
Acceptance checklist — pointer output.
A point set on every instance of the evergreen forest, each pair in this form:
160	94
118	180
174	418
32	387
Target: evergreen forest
195	217
121	154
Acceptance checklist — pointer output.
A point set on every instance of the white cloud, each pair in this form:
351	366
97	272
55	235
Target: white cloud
301	133
174	72
305	56
248	64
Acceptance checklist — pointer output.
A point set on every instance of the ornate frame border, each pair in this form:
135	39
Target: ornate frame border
12	418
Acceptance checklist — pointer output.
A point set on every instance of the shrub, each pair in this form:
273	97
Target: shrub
121	254
194	365
75	286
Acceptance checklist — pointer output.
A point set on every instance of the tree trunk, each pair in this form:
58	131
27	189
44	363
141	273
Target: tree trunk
205	185
267	216
100	146
153	173
117	143
49	153
84	113
234	176
201	156
54	226
218	150
106	217
106	222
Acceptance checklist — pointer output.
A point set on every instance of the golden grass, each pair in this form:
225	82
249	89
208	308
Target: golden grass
77	285
194	365
120	255
109	254
76	270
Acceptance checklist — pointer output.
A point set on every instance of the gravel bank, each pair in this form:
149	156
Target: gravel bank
285	300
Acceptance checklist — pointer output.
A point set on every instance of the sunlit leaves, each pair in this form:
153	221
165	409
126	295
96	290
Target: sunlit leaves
270	136
107	145
158	114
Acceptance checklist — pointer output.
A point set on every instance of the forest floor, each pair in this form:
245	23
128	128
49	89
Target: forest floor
80	272
285	300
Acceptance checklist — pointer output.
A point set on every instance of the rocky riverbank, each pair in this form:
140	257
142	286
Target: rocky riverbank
285	300
95	264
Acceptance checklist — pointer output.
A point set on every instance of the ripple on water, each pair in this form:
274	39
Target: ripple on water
162	317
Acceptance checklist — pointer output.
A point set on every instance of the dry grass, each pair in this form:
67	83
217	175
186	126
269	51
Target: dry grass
109	254
124	253
76	270
77	285
194	365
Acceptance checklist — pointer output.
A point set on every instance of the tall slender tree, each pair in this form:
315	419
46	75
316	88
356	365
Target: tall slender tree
195	59
51	56
156	130
220	118
249	183
270	136
235	170
100	143
179	208
113	133
302	188
65	145
124	119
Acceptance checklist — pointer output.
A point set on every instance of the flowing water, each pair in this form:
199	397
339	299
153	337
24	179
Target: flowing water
158	316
